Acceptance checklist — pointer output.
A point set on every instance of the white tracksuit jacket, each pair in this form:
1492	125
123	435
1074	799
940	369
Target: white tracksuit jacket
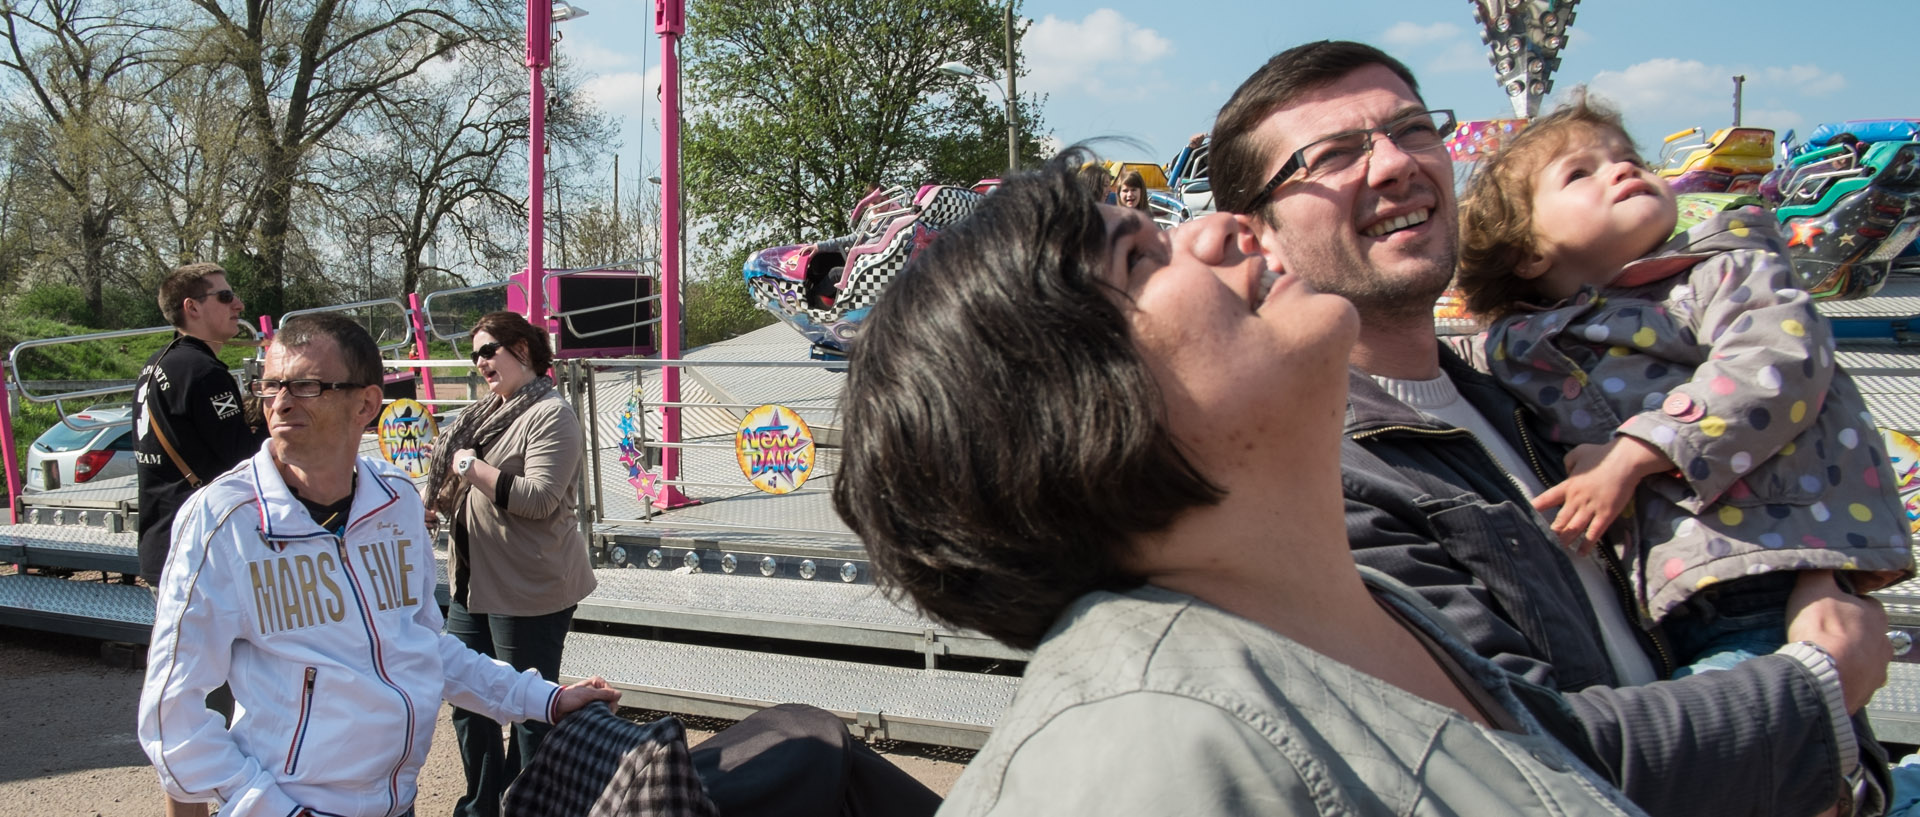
333	647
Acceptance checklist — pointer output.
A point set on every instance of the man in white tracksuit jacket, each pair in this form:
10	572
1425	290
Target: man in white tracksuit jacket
304	578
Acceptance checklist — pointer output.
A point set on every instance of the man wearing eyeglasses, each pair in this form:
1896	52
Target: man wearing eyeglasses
1331	158
305	578
189	422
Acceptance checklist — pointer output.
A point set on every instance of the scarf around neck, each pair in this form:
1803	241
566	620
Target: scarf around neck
477	427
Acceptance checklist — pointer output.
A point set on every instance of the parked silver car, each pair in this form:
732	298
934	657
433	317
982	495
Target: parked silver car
95	443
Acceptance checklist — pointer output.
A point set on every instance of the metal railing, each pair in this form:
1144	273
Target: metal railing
552	280
405	317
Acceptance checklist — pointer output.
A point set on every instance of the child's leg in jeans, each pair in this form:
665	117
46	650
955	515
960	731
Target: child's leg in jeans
1730	622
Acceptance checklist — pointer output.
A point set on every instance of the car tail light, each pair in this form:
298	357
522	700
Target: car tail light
89	464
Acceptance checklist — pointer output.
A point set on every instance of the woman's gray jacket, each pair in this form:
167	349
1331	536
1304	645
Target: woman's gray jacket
1152	702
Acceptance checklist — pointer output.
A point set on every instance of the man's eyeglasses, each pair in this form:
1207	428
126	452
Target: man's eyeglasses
299	388
487	350
226	296
1333	155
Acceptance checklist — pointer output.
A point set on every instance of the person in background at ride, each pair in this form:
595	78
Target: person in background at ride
1695	383
305	578
189	424
1329	154
1199	648
503	478
1097	180
1133	192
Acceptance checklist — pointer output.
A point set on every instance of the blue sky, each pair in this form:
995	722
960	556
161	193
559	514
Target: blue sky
1158	71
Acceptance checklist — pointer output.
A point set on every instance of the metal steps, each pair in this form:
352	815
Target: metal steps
922	706
827	612
115	612
75	547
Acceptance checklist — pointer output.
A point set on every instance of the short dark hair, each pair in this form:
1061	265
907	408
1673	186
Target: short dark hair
1496	213
511	330
357	347
1004	441
1238	161
184	282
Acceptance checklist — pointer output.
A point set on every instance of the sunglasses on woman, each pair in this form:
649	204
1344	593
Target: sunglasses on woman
487	350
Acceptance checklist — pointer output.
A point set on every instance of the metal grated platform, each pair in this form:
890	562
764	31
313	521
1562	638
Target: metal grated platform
1899	298
117	612
923	706
1895	709
117	493
821	612
79	547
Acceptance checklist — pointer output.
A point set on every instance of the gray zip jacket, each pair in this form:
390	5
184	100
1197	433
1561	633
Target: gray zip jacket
1153	702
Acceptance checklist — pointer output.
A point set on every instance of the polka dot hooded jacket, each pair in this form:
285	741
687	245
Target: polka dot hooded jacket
1707	350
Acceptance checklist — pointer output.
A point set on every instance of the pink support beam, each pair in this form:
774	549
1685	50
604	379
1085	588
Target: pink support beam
539	56
670	22
10	460
420	346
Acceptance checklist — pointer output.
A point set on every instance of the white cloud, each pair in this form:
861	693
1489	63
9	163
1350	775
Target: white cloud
627	96
1670	86
1807	80
1459	58
591	57
1405	34
1104	55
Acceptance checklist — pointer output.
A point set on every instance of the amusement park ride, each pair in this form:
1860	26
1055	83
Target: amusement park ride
726	582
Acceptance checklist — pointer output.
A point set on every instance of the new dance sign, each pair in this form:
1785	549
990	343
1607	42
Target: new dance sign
775	449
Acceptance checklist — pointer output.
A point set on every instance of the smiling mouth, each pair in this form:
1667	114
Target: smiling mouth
1392	225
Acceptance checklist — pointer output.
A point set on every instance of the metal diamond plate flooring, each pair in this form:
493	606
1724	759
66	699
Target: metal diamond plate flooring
1899	298
937	706
1895	709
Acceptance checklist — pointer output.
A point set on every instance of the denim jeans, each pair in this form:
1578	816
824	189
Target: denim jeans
525	642
1729	622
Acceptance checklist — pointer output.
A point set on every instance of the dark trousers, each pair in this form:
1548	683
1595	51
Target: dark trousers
525	642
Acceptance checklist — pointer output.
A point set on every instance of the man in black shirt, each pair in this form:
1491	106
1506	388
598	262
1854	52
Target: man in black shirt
186	401
187	412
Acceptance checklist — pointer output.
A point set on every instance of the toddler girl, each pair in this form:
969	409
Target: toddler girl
1695	383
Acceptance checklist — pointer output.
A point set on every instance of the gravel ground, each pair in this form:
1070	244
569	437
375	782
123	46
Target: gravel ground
67	717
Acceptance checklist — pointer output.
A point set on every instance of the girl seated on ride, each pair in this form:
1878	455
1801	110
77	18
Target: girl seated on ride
1695	383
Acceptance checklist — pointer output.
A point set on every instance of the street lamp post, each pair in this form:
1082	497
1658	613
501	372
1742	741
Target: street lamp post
1008	94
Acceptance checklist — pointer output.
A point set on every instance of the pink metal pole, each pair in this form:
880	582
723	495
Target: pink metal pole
7	457
420	345
539	52
670	22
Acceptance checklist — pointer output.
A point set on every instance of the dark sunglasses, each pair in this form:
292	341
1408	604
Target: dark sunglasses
226	296
487	351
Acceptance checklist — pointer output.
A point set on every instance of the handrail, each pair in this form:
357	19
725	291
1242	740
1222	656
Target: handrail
426	304
547	284
400	344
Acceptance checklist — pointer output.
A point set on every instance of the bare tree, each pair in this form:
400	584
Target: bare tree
307	67
72	59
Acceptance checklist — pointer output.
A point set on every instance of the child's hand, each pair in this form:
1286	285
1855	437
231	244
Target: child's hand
1600	483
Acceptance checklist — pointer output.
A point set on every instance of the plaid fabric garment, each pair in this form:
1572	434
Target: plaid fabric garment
597	764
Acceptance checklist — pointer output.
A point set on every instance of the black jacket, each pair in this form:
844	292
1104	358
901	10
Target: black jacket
1429	505
204	418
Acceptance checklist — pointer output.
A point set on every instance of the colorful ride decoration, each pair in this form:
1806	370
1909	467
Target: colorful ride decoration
633	437
1905	454
775	449
1697	207
406	430
825	289
1525	38
1475	140
1733	161
1849	205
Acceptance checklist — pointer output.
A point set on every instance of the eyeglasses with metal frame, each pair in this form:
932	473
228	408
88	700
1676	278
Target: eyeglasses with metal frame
267	389
1332	155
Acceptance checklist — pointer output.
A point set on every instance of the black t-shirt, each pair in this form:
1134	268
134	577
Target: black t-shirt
333	516
204	419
